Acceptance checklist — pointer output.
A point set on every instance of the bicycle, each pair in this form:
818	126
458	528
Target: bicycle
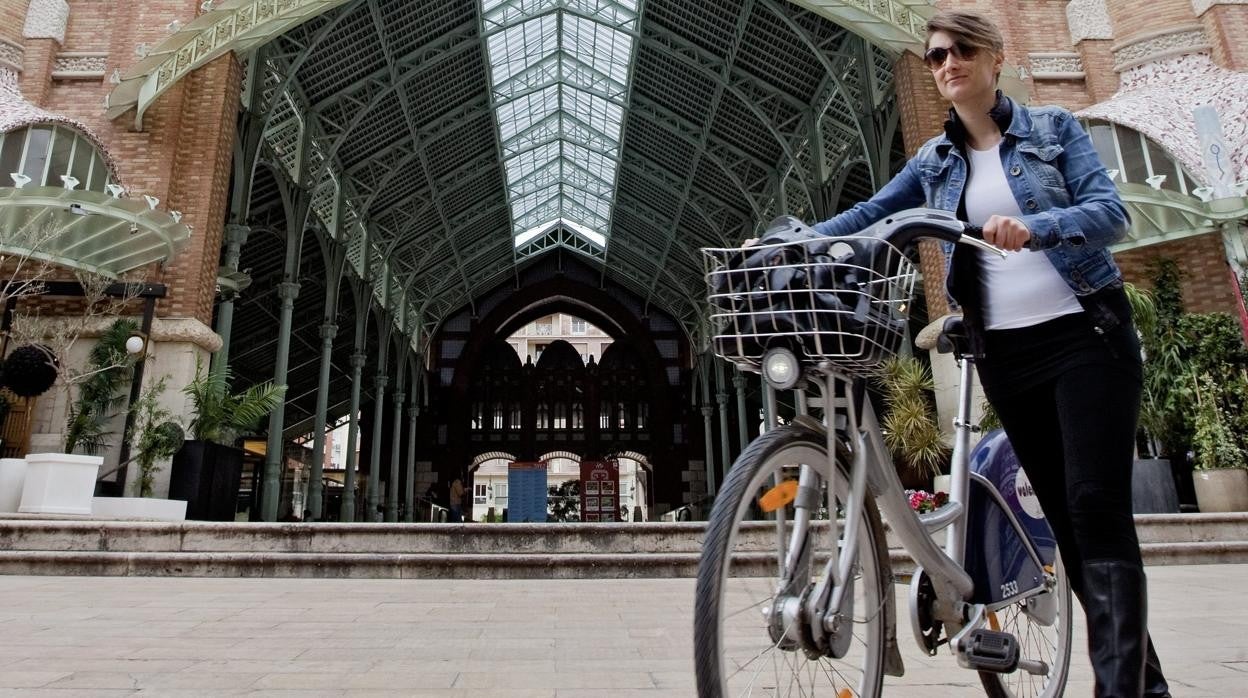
795	589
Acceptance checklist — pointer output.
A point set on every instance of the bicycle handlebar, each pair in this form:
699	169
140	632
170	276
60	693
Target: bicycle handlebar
905	227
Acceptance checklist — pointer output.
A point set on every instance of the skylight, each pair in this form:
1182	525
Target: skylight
559	75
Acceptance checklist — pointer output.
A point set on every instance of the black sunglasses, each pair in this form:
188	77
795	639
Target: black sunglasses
935	56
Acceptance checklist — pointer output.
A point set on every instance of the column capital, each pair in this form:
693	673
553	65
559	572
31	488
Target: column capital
358	360
707	411
398	398
413	412
288	290
236	234
329	330
722	397
738	381
380	380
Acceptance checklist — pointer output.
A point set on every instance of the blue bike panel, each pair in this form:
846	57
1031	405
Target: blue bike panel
996	556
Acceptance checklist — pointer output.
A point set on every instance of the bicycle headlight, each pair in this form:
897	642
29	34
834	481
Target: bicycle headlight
780	368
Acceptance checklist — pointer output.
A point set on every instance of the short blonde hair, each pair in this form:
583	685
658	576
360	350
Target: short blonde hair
970	28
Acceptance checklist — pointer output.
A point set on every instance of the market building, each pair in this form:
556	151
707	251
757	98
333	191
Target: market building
364	199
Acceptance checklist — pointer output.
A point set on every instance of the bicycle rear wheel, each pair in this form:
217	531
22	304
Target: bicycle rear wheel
1042	626
739	578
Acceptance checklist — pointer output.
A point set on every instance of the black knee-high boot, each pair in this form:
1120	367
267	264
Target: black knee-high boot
1115	600
1155	685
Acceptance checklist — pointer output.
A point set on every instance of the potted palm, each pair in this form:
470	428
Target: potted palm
155	436
207	469
911	430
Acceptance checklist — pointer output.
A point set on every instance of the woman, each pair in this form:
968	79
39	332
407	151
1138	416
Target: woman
1058	354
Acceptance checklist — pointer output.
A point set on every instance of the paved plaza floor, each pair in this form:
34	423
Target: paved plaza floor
62	636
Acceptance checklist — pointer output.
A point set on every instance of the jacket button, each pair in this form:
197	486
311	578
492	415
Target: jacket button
1016	170
1031	204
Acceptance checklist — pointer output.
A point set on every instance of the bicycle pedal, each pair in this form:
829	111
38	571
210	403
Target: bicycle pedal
989	650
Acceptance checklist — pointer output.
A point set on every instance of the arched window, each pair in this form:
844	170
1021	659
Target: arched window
578	416
543	416
643	414
604	417
561	415
45	153
1134	158
621	414
498	415
478	416
515	416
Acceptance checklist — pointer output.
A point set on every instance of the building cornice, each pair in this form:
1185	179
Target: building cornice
1153	46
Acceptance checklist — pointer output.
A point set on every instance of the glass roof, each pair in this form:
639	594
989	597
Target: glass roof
559	76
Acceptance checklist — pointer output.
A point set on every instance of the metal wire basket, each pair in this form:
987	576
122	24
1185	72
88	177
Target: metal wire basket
845	300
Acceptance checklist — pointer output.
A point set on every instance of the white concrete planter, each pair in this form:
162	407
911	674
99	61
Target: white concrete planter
942	483
1221	489
12	478
139	508
59	483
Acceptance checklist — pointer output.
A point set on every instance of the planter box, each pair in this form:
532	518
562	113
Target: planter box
12	478
59	483
1221	490
206	475
139	508
1152	487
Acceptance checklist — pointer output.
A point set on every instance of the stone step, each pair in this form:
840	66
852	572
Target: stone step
468	565
41	534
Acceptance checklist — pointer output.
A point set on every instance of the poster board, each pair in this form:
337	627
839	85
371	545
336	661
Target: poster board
600	491
526	492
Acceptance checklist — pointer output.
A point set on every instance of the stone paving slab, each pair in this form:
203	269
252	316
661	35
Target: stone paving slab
94	636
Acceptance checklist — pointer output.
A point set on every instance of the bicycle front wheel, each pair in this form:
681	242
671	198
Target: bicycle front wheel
1042	626
738	648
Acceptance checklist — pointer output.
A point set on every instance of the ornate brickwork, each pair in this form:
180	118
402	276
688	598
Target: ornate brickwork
10	56
1088	19
1174	42
1049	66
1201	6
1157	99
47	19
79	65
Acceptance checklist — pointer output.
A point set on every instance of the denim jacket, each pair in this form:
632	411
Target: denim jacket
1068	201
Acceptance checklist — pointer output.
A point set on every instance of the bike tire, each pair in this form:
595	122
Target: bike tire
1033	646
717	590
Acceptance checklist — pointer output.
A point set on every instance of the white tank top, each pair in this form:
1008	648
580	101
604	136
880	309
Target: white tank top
1024	288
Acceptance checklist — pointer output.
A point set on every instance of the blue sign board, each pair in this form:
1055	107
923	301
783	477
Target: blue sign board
526	493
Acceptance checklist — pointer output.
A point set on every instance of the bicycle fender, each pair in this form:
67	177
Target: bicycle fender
1009	542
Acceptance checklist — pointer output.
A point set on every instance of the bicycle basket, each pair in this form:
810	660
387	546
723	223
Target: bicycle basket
842	299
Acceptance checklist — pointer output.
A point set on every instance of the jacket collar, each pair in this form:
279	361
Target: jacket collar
1011	120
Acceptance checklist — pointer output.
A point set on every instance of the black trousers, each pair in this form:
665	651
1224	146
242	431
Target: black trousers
1069	399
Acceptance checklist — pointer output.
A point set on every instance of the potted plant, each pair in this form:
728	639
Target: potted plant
155	436
910	427
1153	489
207	468
1221	471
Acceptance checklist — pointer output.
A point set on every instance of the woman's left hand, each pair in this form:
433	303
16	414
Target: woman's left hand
1007	233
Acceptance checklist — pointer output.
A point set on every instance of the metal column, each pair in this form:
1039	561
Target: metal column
374	461
721	397
743	420
274	459
353	431
315	488
235	238
392	492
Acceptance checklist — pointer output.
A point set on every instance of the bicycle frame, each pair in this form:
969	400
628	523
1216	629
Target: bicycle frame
961	601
